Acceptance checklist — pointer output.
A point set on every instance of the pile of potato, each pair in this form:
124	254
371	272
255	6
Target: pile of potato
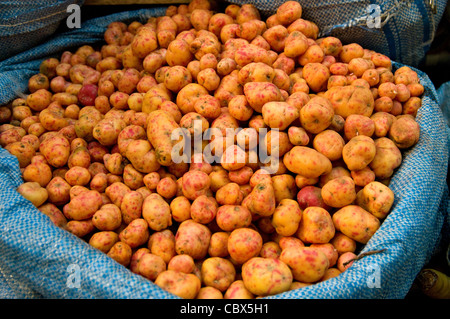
94	143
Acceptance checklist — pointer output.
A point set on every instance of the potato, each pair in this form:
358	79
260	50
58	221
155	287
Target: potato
217	272
209	293
108	217
284	187
178	283
404	131
136	233
387	158
296	44
218	244
85	205
266	276
279	115
307	264
261	200
33	192
195	183
286	217
316	226
343	243
306	162
78	175
231	217
203	209
192	238
121	253
316	75
376	198
142	156
345	261
329	143
359	152
244	244
358	125
237	290
144	42
37	172
316	115
54	213
156	211
347	100
382	122
58	191
356	223
259	93
104	240
229	194
80	228
107	131
256	72
188	95
339	192
162	243
288	12
150	266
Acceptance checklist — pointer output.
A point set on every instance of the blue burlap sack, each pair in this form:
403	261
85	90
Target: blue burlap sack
40	260
24	24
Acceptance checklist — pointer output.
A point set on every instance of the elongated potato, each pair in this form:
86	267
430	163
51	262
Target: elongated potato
306	162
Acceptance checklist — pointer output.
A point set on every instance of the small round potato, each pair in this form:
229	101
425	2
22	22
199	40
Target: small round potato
178	283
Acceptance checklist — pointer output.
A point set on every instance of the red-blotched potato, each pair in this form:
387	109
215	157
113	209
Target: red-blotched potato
259	93
284	187
131	206
203	209
162	243
261	201
151	265
356	223
183	263
237	290
54	213
136	233
156	211
178	283
209	293
405	131
121	253
279	115
218	272
231	217
316	115
56	149
108	217
359	152
387	158
307	264
316	75
266	276
192	238
329	143
195	183
347	100
287	217
376	198
306	162
180	207
244	244
316	226
358	125
343	243
84	205
104	240
339	192
33	192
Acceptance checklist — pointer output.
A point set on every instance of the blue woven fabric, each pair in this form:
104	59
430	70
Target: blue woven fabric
38	257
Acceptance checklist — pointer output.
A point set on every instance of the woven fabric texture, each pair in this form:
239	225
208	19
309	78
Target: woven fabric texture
40	260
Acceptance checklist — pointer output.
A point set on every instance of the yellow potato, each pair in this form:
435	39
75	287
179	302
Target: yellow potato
307	162
308	265
316	226
287	217
376	198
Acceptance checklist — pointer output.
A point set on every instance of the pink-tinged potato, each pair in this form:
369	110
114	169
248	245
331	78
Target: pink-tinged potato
316	226
358	125
330	143
382	122
37	172
284	187
54	213
233	158
307	264
330	251
192	238
405	131
237	290
131	206
296	44
136	257
203	209
229	194
116	192
80	228
108	217
356	223
84	205
150	266
183	263
345	261
231	217
316	75
136	233
209	293
180	207
261	201
286	217
195	183
363	177
270	249
279	115
316	115
162	243
387	158
359	152
56	150
218	272
343	243
266	276
178	283
218	245
259	93
339	192
298	136
104	240
306	162
288	12
121	253
33	192
144	42
78	175
290	241
156	212
376	198
347	100
244	244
